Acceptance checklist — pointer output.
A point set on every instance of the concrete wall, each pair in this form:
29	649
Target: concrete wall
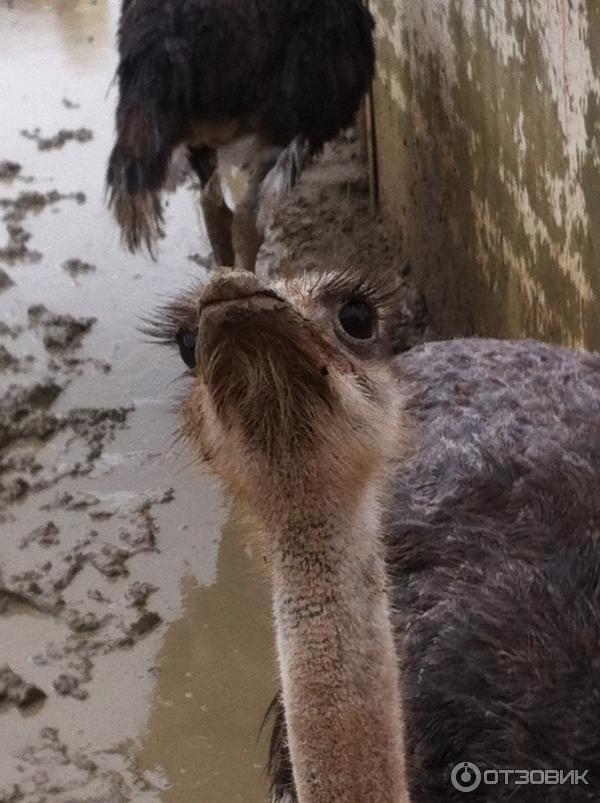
487	135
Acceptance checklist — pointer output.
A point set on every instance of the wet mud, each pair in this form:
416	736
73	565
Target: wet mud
59	139
77	267
102	515
14	212
15	690
9	170
134	609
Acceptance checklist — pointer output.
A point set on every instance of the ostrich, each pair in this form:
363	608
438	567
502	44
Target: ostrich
283	76
431	522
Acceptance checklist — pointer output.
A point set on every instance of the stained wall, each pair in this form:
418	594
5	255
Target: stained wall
487	137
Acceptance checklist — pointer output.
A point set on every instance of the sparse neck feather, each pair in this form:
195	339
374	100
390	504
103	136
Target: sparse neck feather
337	654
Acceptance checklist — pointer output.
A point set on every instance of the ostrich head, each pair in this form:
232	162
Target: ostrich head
291	380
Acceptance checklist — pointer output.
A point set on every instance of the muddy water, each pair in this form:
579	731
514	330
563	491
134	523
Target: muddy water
169	690
215	664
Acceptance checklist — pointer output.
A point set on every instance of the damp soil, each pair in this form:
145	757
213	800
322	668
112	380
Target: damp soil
134	616
48	143
77	267
9	170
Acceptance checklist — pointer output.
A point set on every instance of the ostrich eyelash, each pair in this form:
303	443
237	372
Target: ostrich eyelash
162	324
378	290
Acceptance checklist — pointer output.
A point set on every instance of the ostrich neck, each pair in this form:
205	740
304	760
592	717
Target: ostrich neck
337	656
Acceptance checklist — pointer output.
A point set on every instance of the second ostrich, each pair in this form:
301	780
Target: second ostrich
432	527
202	74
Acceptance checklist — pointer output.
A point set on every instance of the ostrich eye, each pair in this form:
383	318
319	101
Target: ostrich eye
357	319
186	341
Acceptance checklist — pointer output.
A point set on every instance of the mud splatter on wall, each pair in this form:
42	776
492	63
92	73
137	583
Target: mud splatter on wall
488	147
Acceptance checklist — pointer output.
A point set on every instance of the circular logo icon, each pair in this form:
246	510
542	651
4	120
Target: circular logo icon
465	776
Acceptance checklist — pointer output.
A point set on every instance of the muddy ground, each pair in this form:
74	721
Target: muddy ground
134	616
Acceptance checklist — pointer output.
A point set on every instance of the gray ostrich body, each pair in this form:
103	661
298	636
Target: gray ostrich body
493	540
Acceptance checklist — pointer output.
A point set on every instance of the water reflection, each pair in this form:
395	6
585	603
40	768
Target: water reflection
216	678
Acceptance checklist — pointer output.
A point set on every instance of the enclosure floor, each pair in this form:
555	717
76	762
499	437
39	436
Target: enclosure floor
131	593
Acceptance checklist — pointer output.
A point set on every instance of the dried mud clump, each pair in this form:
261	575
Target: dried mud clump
27	420
60	332
9	331
14	212
147	622
8	362
70	686
17	208
59	139
16	691
139	593
46	535
15	250
77	267
24	412
50	770
5	281
9	170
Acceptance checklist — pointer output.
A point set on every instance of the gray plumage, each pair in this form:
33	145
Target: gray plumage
494	560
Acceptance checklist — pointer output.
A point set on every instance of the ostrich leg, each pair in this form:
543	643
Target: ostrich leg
218	217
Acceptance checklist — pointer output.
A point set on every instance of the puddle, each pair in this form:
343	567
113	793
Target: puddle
106	527
216	680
